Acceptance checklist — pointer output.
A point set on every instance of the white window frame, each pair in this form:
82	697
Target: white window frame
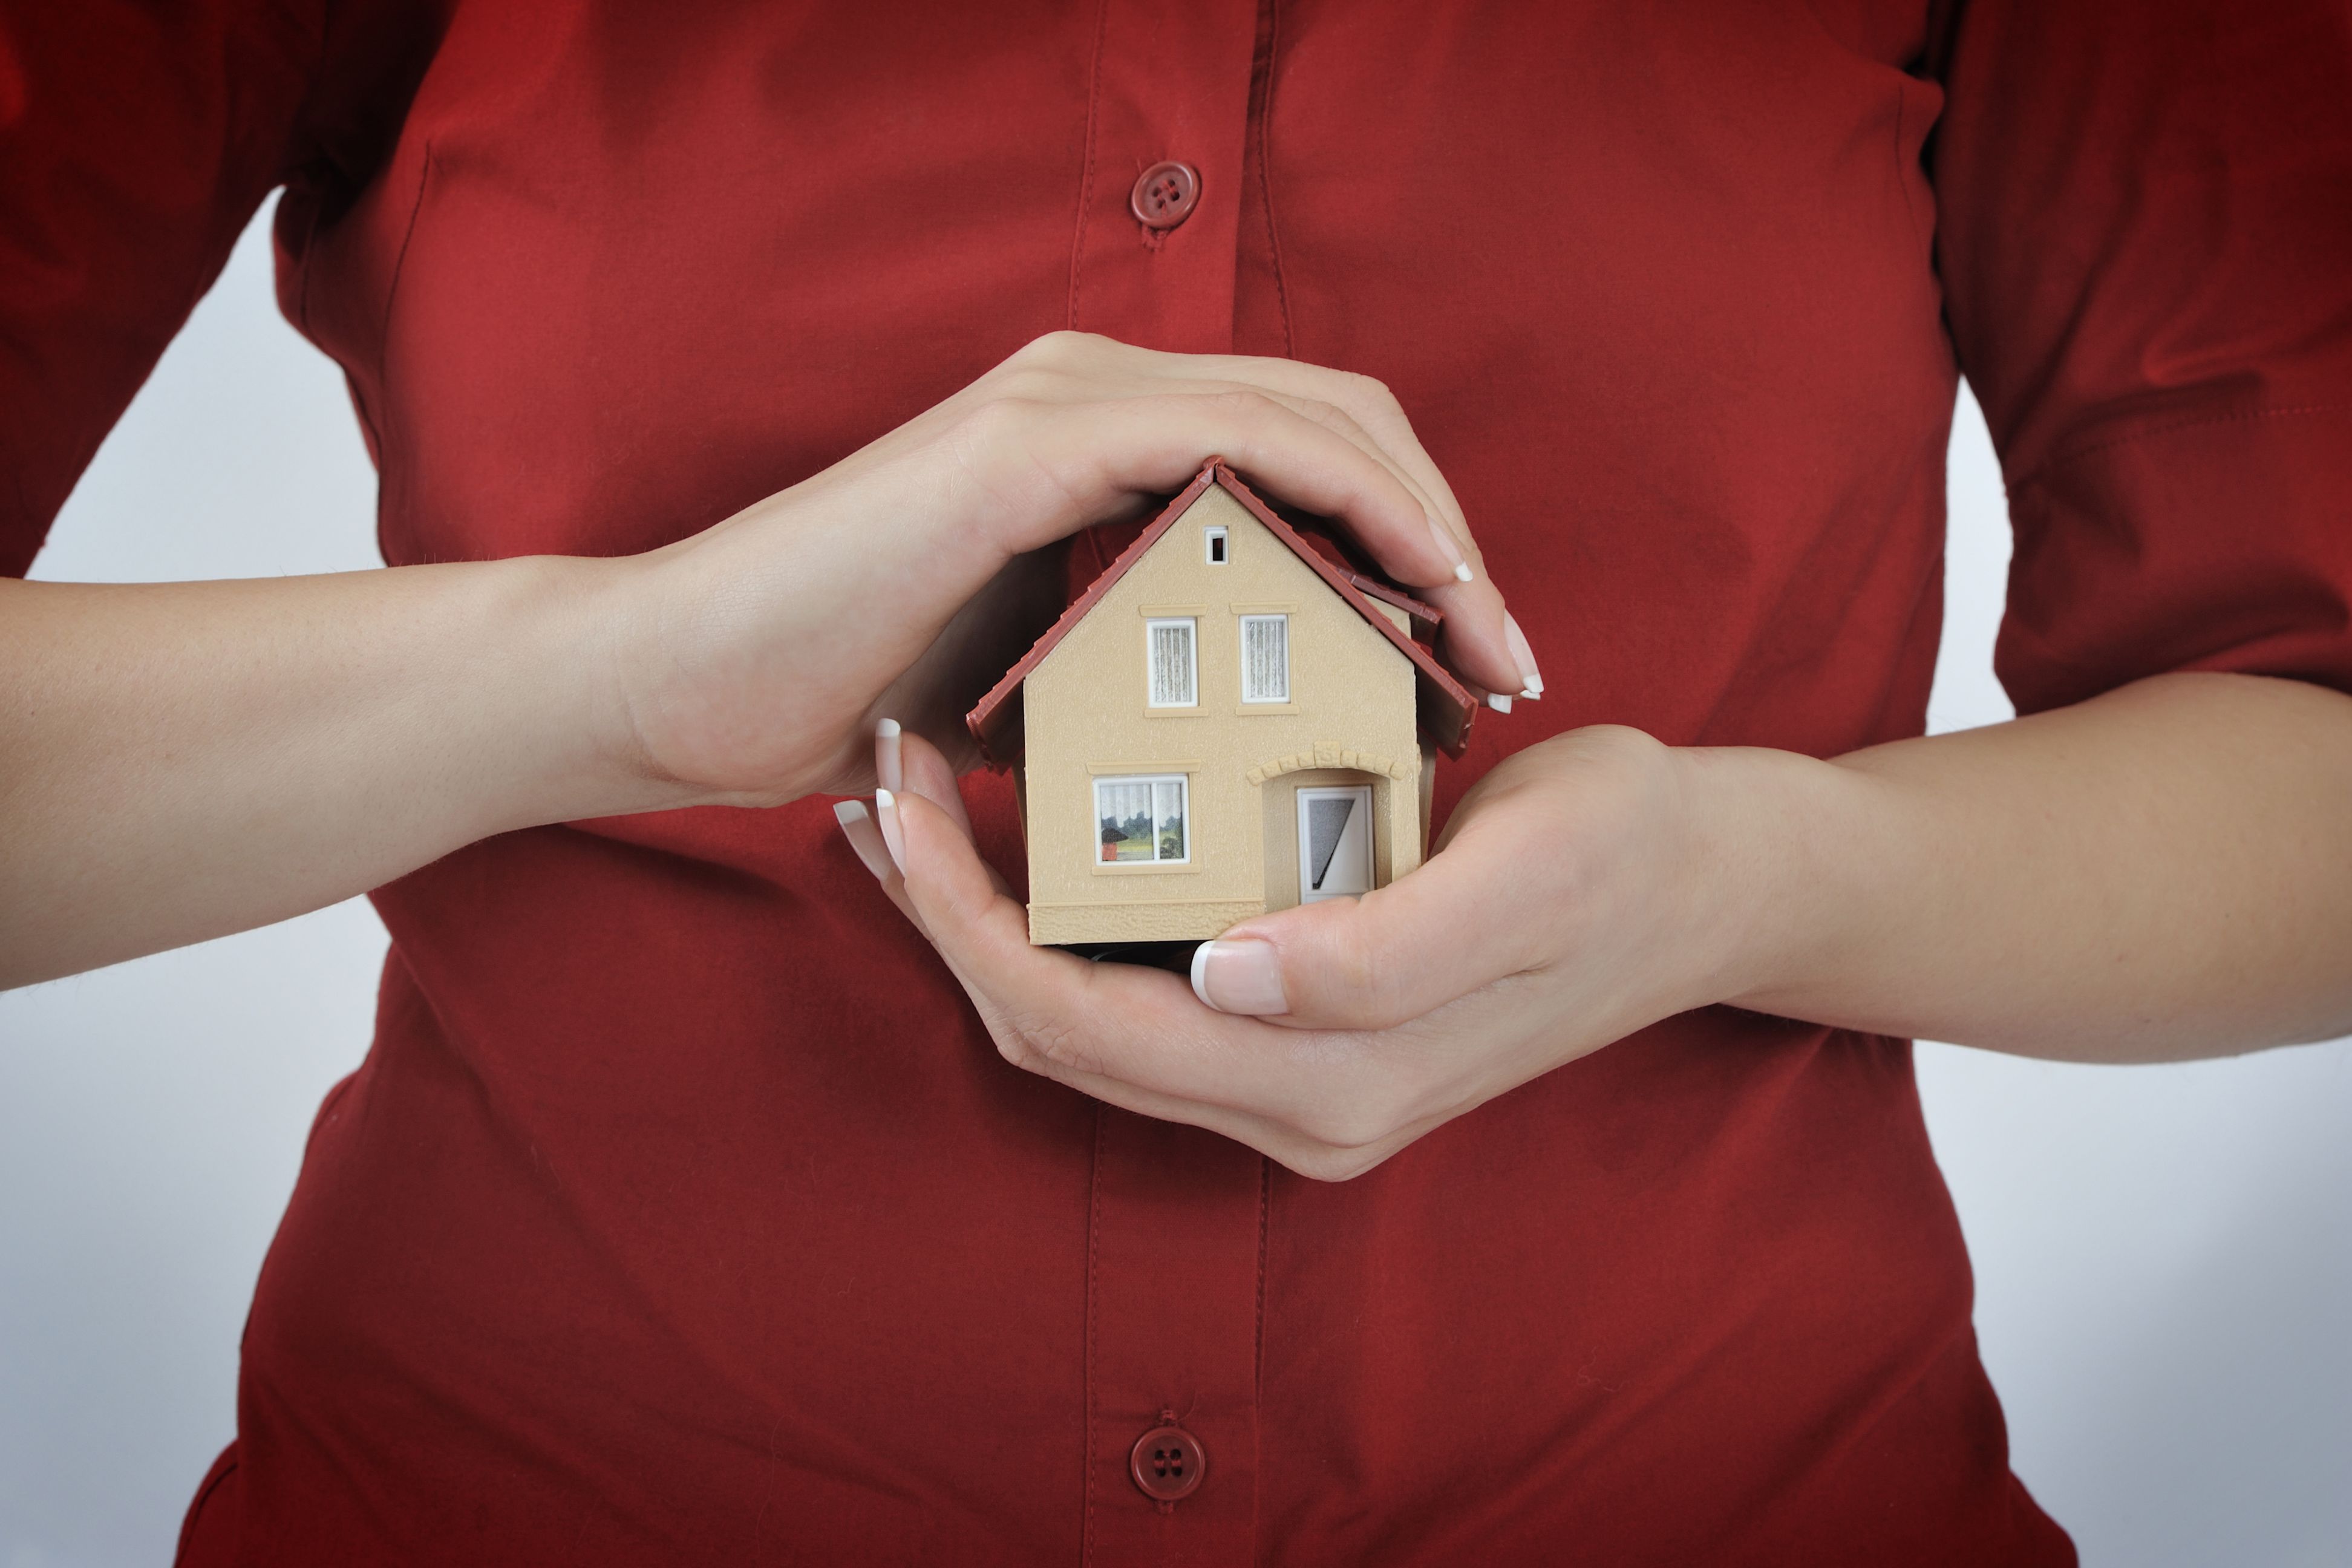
1184	783
1191	697
1210	538
1283	695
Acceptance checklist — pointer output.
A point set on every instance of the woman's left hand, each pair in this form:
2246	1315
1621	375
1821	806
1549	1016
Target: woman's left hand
1569	902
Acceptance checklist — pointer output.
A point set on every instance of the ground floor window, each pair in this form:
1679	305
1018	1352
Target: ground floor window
1142	818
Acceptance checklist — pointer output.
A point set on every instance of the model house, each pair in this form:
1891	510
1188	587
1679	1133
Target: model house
1232	718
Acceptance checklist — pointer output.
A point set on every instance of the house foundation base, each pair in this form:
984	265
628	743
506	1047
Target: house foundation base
1062	924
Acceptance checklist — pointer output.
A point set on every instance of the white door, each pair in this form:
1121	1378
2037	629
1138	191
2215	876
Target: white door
1334	843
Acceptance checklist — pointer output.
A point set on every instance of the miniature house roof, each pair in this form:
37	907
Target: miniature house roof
1443	705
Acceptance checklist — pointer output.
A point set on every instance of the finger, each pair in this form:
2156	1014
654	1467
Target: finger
1112	450
1077	369
1100	453
907	763
858	826
981	933
1481	641
1093	1024
1343	420
1368	403
1130	1037
1459	922
1055	998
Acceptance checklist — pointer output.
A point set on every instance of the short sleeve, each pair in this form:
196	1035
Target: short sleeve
2145	235
136	140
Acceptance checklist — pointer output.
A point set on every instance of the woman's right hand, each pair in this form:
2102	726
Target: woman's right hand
749	662
179	761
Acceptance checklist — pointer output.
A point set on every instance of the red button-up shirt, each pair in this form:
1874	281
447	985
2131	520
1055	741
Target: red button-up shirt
682	1211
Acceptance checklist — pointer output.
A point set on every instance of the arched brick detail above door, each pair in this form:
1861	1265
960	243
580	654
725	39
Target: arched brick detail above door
1330	755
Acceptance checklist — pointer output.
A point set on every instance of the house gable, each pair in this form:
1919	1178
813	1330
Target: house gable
1327	645
1444	708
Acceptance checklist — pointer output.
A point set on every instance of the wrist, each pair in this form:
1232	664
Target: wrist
572	631
1776	843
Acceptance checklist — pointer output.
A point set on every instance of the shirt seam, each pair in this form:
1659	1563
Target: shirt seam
1265	174
386	431
400	260
2234	417
1257	1357
1087	1424
1086	171
1903	174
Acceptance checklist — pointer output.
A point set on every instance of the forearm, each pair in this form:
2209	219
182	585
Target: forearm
176	763
2163	873
181	760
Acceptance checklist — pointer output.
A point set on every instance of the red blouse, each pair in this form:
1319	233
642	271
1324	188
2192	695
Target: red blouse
682	1211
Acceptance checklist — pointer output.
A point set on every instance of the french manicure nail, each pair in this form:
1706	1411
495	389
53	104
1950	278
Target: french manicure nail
1451	548
1498	702
886	812
859	829
887	770
1522	655
1241	976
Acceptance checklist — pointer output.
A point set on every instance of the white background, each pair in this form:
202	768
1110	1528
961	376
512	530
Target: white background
2164	1255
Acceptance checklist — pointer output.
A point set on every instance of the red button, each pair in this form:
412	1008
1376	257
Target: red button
1167	1463
1165	196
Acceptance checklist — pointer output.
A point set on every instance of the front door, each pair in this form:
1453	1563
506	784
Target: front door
1334	843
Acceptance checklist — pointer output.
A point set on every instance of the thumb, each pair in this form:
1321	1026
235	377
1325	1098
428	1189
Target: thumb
1437	933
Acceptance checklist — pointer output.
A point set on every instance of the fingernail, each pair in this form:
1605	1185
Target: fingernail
1451	548
1524	656
887	770
858	828
886	812
1242	976
1498	702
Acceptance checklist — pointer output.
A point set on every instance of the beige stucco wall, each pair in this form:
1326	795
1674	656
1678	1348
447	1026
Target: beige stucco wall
1088	715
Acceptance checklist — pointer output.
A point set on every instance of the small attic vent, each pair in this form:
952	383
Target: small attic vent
1216	546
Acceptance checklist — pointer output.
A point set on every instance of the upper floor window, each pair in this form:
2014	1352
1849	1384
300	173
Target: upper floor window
1266	659
1215	545
1174	665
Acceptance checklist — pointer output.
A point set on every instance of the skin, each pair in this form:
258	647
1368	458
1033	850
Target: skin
2155	874
182	761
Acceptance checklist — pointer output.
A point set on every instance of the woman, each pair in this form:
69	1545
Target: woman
682	1210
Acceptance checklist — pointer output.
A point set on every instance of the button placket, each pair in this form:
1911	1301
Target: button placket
1158	227
1172	1344
1176	1224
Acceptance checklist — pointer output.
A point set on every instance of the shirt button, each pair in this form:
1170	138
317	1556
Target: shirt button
1167	1461
1165	196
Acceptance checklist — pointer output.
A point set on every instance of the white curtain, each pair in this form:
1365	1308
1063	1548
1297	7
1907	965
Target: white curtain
1171	664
